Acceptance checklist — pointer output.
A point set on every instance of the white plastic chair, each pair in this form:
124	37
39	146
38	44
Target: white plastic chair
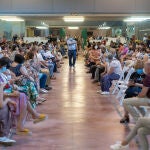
123	85
117	82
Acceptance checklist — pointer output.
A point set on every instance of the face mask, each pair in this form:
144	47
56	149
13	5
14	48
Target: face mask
3	69
144	71
139	71
96	47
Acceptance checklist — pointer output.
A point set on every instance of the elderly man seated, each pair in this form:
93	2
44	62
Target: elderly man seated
113	73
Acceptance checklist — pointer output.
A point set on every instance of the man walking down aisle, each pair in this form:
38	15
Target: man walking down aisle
72	50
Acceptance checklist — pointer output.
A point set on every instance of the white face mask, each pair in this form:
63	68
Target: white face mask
144	71
96	47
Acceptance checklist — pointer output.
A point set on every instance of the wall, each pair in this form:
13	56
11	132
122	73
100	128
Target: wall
73	6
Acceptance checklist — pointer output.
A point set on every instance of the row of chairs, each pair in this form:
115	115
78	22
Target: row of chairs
121	85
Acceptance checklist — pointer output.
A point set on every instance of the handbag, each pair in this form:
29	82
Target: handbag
21	81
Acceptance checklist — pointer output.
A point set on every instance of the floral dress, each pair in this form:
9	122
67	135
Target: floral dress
28	88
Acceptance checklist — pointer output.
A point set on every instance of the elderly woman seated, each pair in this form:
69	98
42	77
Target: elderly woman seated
26	83
5	118
18	102
113	73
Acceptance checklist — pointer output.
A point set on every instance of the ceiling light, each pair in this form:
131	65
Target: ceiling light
11	18
73	19
73	28
136	19
41	27
104	28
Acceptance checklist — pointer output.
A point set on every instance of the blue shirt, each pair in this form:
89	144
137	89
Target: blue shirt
72	44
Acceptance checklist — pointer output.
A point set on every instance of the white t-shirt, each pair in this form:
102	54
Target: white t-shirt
116	65
48	54
39	57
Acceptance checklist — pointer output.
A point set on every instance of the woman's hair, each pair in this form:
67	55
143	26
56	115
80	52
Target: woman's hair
139	64
29	55
4	61
19	59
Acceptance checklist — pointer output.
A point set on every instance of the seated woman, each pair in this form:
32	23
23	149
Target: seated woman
114	72
101	70
27	84
19	103
5	118
35	73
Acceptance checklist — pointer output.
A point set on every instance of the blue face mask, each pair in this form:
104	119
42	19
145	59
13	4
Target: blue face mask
3	69
139	71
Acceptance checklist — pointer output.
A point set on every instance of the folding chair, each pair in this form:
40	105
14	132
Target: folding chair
117	82
123	86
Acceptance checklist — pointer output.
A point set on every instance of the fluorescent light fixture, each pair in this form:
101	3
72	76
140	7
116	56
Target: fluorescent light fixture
136	19
104	28
73	28
41	27
11	18
73	18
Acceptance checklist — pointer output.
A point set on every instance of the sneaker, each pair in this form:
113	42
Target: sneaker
118	146
99	91
105	93
125	120
43	91
48	88
5	140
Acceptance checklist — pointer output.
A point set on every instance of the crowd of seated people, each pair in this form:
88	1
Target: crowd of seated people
26	71
106	63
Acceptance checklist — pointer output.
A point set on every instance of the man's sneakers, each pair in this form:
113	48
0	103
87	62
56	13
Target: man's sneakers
105	93
6	141
118	146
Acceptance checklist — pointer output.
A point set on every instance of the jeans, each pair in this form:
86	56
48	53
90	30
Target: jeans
106	81
72	57
98	72
142	129
51	68
43	79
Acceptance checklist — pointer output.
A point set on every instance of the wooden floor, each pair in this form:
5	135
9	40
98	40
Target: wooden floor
79	118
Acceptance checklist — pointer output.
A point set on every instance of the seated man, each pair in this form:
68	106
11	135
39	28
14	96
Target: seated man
114	72
142	129
142	99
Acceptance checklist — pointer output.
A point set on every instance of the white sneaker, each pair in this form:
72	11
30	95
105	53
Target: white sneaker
105	93
118	146
6	140
43	91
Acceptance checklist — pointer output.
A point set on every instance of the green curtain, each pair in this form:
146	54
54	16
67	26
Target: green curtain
62	33
84	36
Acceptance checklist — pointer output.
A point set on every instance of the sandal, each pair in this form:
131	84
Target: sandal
24	132
40	100
41	117
53	78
